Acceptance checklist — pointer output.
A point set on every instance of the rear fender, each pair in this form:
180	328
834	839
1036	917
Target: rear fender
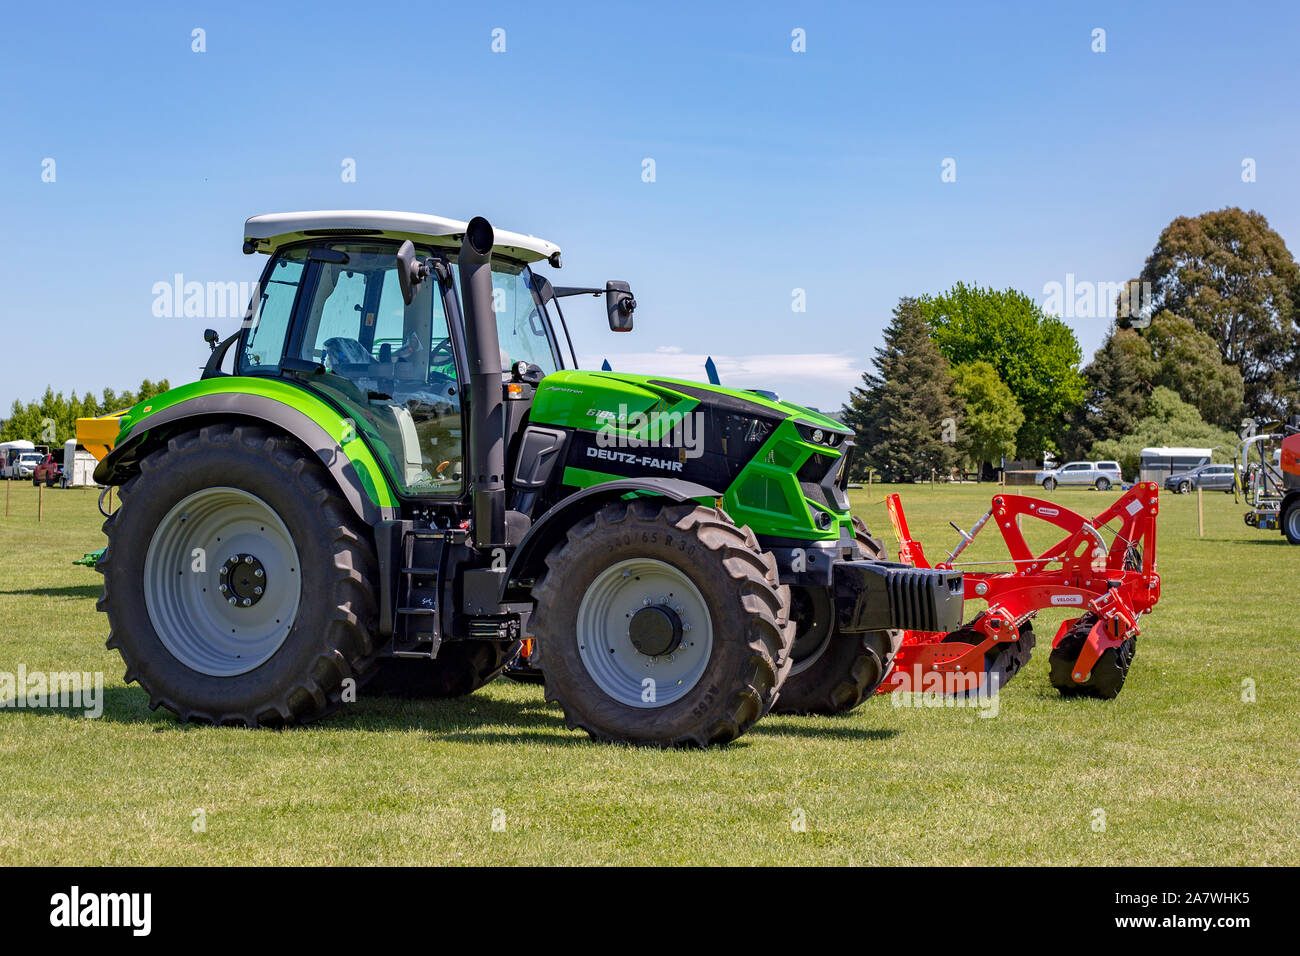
355	470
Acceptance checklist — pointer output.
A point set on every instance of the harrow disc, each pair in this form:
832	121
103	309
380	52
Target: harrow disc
1002	660
1108	674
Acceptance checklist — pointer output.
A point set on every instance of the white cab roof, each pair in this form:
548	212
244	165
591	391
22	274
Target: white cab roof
271	231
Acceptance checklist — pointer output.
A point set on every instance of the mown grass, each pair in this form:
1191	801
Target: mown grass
1184	770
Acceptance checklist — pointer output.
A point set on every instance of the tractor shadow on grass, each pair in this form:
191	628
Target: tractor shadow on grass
79	592
823	728
476	719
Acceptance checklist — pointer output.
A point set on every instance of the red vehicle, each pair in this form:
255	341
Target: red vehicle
48	471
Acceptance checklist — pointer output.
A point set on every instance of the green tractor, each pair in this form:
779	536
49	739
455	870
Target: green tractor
400	485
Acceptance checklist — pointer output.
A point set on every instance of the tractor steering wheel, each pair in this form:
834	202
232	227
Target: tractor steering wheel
441	353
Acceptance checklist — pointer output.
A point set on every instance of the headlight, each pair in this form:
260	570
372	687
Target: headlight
820	436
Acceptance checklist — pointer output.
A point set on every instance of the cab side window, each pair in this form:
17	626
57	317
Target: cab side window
265	341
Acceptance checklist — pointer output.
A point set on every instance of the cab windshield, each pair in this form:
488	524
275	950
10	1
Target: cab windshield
522	329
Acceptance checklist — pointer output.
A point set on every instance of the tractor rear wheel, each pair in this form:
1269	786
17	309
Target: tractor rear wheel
833	673
1108	674
460	668
238	584
661	624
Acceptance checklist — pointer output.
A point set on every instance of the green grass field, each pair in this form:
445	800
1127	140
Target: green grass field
1183	769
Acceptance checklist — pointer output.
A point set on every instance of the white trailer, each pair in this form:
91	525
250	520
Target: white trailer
78	465
10	452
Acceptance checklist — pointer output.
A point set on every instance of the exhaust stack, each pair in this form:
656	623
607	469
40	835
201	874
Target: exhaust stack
487	460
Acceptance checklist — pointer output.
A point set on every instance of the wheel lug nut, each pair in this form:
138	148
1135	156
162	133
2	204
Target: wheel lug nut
258	573
257	590
247	601
232	600
248	559
224	589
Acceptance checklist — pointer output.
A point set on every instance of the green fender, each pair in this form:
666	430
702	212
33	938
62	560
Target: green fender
280	405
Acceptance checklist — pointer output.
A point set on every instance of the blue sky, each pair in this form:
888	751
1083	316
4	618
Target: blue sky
774	170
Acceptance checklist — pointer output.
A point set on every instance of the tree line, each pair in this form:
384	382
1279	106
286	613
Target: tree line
52	419
975	374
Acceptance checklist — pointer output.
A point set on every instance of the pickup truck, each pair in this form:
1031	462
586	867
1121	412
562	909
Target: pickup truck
48	471
1099	474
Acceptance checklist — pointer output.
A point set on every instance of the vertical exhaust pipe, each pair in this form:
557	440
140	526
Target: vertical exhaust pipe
487	459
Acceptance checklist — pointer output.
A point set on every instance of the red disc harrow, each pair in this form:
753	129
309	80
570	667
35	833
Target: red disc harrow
1104	566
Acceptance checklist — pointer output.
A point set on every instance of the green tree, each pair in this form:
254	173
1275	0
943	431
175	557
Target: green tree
1115	393
1169	421
52	419
1132	363
991	415
1231	275
1188	361
1036	355
904	415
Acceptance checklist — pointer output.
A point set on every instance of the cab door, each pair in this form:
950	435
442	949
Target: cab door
332	316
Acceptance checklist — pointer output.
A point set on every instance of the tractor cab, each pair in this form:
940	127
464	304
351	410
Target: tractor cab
337	310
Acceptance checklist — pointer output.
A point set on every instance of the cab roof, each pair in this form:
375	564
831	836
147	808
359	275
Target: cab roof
268	232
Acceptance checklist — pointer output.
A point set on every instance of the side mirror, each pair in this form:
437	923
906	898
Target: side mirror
212	338
410	271
620	305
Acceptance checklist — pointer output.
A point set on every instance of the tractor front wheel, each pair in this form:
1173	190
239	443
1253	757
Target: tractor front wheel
238	584
833	673
661	624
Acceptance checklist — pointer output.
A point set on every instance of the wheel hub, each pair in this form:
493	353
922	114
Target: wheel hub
243	580
655	630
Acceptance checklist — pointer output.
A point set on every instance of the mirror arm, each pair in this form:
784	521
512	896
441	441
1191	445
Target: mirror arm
213	367
562	291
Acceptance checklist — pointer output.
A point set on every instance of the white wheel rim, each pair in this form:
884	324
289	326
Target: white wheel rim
605	644
183	580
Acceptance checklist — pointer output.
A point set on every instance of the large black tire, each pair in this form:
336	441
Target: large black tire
1108	674
460	668
847	669
750	637
1290	519
330	638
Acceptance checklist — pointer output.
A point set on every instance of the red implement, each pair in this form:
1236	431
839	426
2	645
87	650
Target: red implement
1112	584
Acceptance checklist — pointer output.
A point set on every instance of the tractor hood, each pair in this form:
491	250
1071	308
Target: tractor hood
590	400
631	426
